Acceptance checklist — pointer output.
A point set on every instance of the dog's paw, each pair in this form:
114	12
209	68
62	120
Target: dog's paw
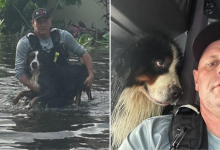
29	106
15	101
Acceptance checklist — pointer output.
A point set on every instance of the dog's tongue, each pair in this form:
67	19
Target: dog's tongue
166	104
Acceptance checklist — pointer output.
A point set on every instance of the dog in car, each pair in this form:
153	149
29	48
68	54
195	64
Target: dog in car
145	78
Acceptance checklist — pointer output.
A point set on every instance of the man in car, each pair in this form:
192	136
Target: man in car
153	132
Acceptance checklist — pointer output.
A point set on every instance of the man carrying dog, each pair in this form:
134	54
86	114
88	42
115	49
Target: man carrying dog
153	132
41	23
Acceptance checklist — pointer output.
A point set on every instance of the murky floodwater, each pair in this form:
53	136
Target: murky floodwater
85	127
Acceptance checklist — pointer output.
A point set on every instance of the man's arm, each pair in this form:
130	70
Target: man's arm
151	134
25	81
74	47
21	52
86	59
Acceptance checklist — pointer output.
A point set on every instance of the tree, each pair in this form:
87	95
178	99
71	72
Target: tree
105	4
17	13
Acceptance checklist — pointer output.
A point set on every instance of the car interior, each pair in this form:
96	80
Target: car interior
181	20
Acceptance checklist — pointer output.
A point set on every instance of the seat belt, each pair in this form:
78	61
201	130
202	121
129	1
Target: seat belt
200	21
187	129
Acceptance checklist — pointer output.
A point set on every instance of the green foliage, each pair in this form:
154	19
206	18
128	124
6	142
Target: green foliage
28	9
2	25
17	13
62	3
90	43
105	4
73	2
106	36
63	24
85	40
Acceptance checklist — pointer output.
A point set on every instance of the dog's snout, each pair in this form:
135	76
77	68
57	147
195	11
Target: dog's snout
34	65
175	92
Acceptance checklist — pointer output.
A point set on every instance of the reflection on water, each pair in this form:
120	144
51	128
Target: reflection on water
85	127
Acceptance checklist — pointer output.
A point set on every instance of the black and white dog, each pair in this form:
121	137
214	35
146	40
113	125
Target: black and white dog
145	77
59	85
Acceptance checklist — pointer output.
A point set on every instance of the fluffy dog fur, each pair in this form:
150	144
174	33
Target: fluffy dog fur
144	80
59	85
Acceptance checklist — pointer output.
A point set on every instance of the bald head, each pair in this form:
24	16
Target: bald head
211	51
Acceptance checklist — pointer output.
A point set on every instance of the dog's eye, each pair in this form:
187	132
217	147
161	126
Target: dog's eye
160	63
31	59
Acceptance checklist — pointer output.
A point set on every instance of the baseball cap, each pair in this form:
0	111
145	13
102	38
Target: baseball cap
208	35
40	12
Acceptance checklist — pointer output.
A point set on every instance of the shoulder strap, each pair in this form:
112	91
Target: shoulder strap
59	52
34	41
55	36
187	129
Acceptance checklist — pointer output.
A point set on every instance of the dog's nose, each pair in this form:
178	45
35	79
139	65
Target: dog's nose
175	92
34	65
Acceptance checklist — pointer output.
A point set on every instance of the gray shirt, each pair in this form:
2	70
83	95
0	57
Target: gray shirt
152	134
23	47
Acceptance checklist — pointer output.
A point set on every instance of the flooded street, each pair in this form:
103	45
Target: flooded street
69	128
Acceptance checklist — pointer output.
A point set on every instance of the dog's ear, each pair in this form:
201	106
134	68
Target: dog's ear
26	61
27	67
27	57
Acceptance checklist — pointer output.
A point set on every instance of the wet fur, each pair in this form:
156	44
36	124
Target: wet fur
59	85
129	113
130	72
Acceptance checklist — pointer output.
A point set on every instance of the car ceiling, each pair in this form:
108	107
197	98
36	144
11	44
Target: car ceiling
132	17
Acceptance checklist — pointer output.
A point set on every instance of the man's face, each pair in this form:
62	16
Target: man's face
207	77
42	26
